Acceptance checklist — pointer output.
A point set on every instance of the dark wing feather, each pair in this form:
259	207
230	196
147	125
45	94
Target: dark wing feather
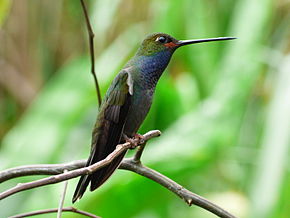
108	132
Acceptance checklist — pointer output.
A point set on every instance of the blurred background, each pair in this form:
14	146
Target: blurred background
223	108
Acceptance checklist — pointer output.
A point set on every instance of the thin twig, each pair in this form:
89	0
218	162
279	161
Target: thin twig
54	210
78	172
92	53
62	197
139	152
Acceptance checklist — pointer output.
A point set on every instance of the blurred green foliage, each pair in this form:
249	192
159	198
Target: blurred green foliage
223	107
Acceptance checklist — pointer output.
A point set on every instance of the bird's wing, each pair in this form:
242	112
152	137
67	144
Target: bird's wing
108	131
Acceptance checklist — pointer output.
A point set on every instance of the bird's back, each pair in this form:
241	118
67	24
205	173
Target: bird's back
107	133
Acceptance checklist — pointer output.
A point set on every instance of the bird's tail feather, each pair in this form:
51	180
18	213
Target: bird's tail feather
101	175
83	182
81	187
97	178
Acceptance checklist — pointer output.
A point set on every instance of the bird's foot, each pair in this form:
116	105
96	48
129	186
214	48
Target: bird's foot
132	141
140	138
135	141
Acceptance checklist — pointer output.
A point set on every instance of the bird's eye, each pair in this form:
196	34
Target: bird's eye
161	39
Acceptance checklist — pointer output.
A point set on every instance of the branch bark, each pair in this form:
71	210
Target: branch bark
137	156
40	169
78	172
54	210
189	197
131	164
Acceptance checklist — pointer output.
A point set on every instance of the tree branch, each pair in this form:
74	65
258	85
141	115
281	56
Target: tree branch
189	197
92	53
127	164
40	169
78	172
54	210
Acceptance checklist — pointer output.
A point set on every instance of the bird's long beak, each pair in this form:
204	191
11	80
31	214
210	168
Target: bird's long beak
188	42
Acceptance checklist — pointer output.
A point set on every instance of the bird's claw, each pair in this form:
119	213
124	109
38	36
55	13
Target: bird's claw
140	138
134	143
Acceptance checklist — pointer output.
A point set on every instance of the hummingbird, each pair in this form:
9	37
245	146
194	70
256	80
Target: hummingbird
127	102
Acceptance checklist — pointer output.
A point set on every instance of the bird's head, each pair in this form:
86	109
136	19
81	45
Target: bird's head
158	42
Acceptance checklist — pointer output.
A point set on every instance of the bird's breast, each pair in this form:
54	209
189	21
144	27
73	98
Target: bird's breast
145	73
140	105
